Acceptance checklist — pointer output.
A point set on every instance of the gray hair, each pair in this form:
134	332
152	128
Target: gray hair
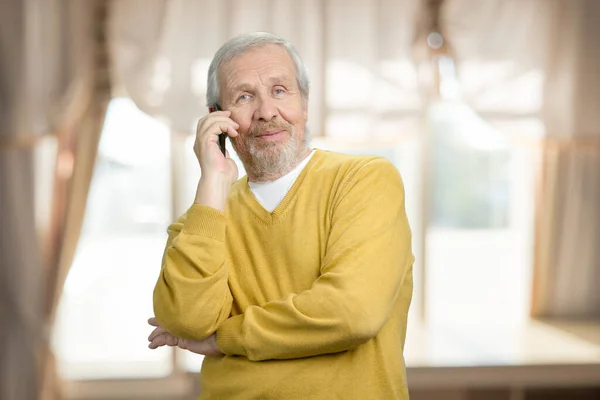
238	45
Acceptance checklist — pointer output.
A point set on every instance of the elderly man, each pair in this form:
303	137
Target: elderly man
294	281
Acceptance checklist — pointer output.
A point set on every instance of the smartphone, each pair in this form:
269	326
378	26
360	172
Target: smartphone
222	136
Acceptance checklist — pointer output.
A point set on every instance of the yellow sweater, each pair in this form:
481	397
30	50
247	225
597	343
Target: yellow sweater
309	301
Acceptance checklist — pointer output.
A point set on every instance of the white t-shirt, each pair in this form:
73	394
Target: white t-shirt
269	194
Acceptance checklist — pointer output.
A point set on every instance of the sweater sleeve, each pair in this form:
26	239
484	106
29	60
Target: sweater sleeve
367	259
192	297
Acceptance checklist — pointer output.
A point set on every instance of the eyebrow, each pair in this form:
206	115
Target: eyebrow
245	87
279	79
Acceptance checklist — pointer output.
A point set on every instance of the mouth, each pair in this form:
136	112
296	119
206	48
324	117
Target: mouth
271	134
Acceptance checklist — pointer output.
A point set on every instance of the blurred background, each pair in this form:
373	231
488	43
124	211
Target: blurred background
489	109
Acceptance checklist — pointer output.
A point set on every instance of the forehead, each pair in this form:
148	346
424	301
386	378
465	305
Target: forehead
262	63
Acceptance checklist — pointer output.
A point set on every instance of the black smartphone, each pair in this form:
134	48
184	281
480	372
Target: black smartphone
222	136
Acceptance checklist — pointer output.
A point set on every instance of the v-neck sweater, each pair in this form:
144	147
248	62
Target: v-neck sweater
309	301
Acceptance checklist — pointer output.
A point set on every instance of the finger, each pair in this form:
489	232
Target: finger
219	127
157	332
210	119
171	340
213	115
158	342
220	112
152	321
233	132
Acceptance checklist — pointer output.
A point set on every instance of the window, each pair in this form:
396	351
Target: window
479	234
469	170
101	323
474	244
477	180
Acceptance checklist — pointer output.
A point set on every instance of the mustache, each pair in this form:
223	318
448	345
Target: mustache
259	127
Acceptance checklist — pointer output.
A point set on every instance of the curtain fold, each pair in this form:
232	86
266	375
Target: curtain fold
500	48
567	252
77	149
21	322
567	269
49	86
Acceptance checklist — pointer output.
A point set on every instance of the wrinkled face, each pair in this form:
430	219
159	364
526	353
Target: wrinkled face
259	87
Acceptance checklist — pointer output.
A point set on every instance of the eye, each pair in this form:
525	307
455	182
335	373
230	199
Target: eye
244	97
278	91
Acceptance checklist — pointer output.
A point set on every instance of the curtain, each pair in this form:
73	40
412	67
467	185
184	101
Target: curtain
530	68
20	315
500	49
51	92
78	140
567	252
356	52
30	87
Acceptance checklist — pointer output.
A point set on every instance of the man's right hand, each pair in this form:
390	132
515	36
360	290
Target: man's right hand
217	172
161	337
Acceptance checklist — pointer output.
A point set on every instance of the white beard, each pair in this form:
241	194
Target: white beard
273	159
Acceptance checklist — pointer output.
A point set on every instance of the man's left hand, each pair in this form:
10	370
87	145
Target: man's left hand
161	337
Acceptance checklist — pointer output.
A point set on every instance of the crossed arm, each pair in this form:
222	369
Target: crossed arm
368	257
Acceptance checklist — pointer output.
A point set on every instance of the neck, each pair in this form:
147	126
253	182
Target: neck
255	175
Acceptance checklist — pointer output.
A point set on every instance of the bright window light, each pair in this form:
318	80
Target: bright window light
101	327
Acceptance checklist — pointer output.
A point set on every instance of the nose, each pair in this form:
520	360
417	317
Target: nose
266	109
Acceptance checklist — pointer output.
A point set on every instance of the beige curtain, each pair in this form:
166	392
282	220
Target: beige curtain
77	148
356	52
78	143
500	48
21	326
532	69
50	88
567	257
20	312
